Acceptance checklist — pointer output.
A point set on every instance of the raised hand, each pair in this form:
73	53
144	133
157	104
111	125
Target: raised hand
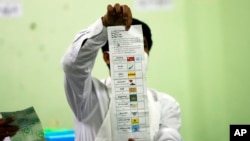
117	15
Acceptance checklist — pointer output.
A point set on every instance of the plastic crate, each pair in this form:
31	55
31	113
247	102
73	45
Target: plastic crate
59	135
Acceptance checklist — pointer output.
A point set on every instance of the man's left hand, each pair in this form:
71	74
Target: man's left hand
6	129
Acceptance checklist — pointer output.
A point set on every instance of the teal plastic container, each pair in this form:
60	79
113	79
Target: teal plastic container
59	134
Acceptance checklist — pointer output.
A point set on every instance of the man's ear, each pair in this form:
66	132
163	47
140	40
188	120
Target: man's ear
106	57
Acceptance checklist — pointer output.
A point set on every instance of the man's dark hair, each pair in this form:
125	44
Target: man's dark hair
146	33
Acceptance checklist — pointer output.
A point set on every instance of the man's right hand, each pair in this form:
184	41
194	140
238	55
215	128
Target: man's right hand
117	15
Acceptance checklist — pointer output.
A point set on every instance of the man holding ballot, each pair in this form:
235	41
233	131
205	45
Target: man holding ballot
90	98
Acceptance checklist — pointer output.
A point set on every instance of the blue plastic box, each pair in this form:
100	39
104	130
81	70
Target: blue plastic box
59	135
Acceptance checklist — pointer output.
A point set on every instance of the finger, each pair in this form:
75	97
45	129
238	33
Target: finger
6	121
9	133
12	128
9	120
127	16
9	129
117	9
110	10
2	121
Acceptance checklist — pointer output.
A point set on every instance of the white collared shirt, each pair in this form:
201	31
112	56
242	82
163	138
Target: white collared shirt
88	97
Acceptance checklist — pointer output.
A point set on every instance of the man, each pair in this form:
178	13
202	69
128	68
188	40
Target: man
89	98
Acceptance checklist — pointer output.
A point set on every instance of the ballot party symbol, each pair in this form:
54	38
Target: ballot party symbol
131	82
131	74
133	97
132	90
134	113
131	58
134	120
133	105
135	128
131	66
138	59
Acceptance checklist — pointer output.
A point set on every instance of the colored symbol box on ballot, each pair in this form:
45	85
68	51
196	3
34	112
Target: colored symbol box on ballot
135	128
132	90
134	113
130	58
134	120
138	58
131	82
131	66
131	74
134	105
133	97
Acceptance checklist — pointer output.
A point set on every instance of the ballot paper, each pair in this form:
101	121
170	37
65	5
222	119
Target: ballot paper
130	117
30	128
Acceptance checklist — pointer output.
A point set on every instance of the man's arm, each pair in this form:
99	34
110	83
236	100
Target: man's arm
170	121
78	63
79	60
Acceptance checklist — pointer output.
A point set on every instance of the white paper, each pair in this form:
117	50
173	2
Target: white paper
130	111
30	128
154	5
10	8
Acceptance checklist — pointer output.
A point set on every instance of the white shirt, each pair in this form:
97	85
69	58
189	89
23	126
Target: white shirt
88	97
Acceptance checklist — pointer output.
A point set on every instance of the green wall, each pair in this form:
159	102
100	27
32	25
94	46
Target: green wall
200	56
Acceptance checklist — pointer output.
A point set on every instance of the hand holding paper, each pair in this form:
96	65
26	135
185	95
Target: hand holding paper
28	123
117	15
6	129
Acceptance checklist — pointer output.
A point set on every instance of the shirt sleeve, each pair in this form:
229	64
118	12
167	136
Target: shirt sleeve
78	63
170	121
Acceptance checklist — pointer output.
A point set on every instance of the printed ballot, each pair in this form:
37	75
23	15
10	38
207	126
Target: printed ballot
130	114
30	128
